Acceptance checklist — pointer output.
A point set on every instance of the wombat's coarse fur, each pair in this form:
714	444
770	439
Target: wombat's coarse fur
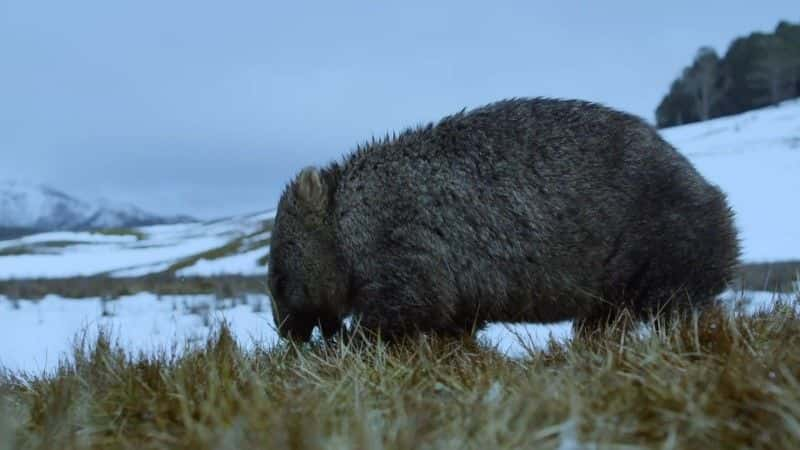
524	210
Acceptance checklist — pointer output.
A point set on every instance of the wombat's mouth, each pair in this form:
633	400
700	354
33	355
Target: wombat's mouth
299	328
296	331
331	327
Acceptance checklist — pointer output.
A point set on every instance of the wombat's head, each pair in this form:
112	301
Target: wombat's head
306	285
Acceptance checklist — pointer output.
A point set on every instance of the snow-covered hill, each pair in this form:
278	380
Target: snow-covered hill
25	205
235	245
755	158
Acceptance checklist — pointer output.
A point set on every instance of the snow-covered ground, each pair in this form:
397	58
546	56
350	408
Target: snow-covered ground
755	158
67	254
35	336
242	264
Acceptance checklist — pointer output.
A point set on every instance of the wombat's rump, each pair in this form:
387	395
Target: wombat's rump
524	210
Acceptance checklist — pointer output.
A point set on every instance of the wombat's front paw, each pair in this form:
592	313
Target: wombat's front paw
332	328
354	334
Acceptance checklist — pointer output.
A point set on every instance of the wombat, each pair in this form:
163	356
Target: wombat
523	210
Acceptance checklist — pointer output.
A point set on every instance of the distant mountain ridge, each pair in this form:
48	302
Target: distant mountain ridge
26	206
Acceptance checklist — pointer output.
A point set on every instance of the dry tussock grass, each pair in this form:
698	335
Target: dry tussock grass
720	380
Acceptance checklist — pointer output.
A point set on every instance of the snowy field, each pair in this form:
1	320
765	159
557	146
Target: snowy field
35	335
68	254
755	158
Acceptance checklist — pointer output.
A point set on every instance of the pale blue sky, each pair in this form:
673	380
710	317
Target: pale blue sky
208	108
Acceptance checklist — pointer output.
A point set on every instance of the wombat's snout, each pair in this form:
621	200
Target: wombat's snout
299	328
296	328
331	327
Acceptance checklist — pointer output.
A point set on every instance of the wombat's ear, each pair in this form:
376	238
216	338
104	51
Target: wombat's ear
311	189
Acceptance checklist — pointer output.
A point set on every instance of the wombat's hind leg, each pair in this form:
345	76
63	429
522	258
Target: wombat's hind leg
601	324
666	308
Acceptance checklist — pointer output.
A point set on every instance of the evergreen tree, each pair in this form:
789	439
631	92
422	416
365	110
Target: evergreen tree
757	70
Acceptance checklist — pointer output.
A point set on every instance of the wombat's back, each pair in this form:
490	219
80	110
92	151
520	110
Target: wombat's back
529	209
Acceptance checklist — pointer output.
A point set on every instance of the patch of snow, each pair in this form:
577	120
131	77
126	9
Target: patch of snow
568	437
68	236
126	255
256	238
239	264
755	158
35	335
755	301
141	271
95	259
517	340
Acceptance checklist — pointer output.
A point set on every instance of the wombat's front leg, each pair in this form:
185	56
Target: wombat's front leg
397	311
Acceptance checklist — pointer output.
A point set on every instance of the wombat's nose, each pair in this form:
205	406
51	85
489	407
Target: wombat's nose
330	327
296	329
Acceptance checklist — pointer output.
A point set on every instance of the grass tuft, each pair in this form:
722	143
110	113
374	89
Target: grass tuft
717	380
229	249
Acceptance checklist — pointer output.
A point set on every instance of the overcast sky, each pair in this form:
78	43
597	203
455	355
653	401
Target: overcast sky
208	108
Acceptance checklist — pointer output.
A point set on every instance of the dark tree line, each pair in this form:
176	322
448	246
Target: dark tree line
758	70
